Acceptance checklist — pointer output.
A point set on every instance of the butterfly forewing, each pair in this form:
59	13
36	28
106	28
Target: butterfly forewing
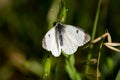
50	42
77	35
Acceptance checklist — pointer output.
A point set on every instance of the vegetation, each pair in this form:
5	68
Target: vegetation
23	24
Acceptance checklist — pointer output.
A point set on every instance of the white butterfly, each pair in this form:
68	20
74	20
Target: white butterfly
64	37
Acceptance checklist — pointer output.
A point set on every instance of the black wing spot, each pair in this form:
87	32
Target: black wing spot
49	35
77	31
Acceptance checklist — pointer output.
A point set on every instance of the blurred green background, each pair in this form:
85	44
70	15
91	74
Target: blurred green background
23	24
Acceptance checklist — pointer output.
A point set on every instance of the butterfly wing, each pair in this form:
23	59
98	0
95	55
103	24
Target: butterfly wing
50	42
68	46
77	35
72	38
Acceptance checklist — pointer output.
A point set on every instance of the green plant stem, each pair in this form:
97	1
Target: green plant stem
69	59
93	34
47	68
73	74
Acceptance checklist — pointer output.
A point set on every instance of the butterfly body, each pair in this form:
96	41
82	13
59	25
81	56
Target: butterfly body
64	37
59	32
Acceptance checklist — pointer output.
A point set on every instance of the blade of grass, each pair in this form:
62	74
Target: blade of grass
47	68
62	12
73	74
51	18
118	76
93	34
69	59
57	11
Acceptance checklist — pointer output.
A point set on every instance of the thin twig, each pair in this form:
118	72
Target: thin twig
98	61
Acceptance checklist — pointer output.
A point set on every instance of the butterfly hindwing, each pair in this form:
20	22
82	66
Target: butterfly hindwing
68	46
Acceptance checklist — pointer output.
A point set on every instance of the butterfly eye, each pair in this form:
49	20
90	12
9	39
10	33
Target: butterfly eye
77	31
49	35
